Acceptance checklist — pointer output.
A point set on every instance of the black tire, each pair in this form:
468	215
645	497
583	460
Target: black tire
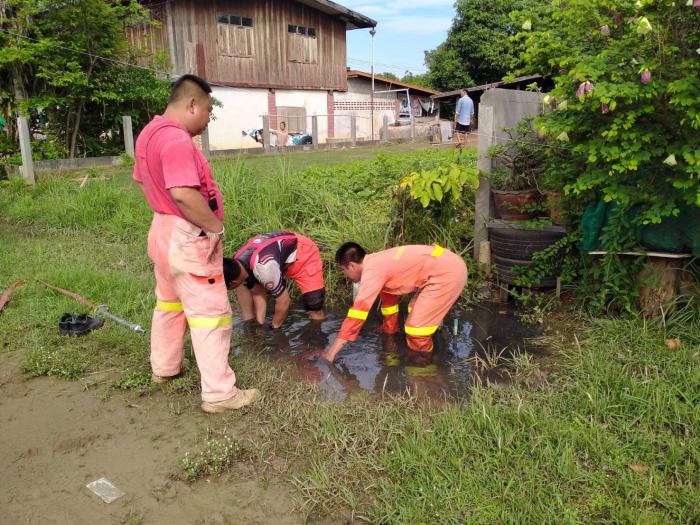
521	244
507	273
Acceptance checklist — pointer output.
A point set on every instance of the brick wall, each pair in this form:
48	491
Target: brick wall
331	114
272	108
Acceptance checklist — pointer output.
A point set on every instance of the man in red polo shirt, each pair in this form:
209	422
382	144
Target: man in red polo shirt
184	243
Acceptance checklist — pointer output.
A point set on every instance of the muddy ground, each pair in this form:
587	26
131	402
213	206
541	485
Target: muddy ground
56	436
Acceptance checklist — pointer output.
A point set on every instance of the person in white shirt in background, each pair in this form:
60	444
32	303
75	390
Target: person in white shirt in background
464	118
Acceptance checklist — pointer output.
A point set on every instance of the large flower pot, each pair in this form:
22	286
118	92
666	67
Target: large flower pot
554	204
514	205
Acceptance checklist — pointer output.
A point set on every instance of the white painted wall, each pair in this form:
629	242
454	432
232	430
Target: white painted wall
359	90
242	110
315	103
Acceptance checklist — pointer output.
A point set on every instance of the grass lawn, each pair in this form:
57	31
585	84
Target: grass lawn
608	433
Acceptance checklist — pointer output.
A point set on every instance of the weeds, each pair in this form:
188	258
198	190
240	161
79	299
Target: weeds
216	456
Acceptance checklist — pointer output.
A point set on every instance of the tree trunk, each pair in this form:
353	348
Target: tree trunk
76	127
79	112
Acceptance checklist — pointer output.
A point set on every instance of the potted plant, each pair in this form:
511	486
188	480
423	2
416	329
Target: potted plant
553	193
518	163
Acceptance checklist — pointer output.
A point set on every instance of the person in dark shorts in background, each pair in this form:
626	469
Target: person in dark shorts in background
464	117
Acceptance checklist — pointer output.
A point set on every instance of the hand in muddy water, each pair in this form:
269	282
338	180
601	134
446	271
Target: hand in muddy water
318	356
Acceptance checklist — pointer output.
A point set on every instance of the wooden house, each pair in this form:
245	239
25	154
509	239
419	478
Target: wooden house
284	58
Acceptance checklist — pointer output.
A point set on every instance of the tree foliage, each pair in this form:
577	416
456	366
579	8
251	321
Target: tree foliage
626	99
421	80
477	49
67	65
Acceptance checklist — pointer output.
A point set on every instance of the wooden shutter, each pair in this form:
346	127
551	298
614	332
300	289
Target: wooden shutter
295	45
222	45
249	41
311	50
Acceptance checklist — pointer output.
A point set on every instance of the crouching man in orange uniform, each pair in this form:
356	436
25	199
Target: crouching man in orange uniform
436	275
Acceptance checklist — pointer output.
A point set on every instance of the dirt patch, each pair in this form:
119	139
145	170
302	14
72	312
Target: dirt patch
57	437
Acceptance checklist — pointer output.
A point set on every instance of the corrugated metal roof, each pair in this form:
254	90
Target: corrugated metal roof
484	87
352	19
355	73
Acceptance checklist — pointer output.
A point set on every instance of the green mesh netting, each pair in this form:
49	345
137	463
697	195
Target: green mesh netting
679	234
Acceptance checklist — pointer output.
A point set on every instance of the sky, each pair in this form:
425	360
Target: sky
405	29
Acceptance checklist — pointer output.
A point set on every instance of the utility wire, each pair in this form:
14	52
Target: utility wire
85	53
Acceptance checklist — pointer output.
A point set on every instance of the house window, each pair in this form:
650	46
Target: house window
234	35
302	45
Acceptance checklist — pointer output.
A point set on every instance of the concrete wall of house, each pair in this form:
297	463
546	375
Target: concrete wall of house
356	100
498	109
241	111
315	103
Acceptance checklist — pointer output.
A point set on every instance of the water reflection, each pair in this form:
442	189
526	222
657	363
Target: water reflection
378	362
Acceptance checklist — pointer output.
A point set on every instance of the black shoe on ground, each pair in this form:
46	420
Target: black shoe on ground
77	325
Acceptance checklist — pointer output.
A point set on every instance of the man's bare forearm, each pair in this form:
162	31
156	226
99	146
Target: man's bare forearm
196	209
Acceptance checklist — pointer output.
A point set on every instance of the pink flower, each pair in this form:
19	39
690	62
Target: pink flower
605	30
585	87
645	77
553	103
617	19
696	3
604	108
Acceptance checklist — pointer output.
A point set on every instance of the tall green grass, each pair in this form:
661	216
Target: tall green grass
612	436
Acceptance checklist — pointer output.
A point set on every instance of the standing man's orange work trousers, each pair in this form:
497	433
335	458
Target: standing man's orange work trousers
190	290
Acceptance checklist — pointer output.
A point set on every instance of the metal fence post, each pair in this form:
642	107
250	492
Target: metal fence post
128	136
25	145
353	130
385	129
266	132
314	131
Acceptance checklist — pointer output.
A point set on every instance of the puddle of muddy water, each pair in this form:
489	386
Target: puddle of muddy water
379	362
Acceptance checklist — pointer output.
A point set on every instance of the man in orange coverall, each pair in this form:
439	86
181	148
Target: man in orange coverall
262	265
437	276
184	243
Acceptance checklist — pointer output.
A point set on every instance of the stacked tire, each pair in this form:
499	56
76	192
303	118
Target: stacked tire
514	246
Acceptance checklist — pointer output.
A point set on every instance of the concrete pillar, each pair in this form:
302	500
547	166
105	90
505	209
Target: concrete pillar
25	145
128	136
413	128
482	212
385	129
314	131
266	132
353	130
205	143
